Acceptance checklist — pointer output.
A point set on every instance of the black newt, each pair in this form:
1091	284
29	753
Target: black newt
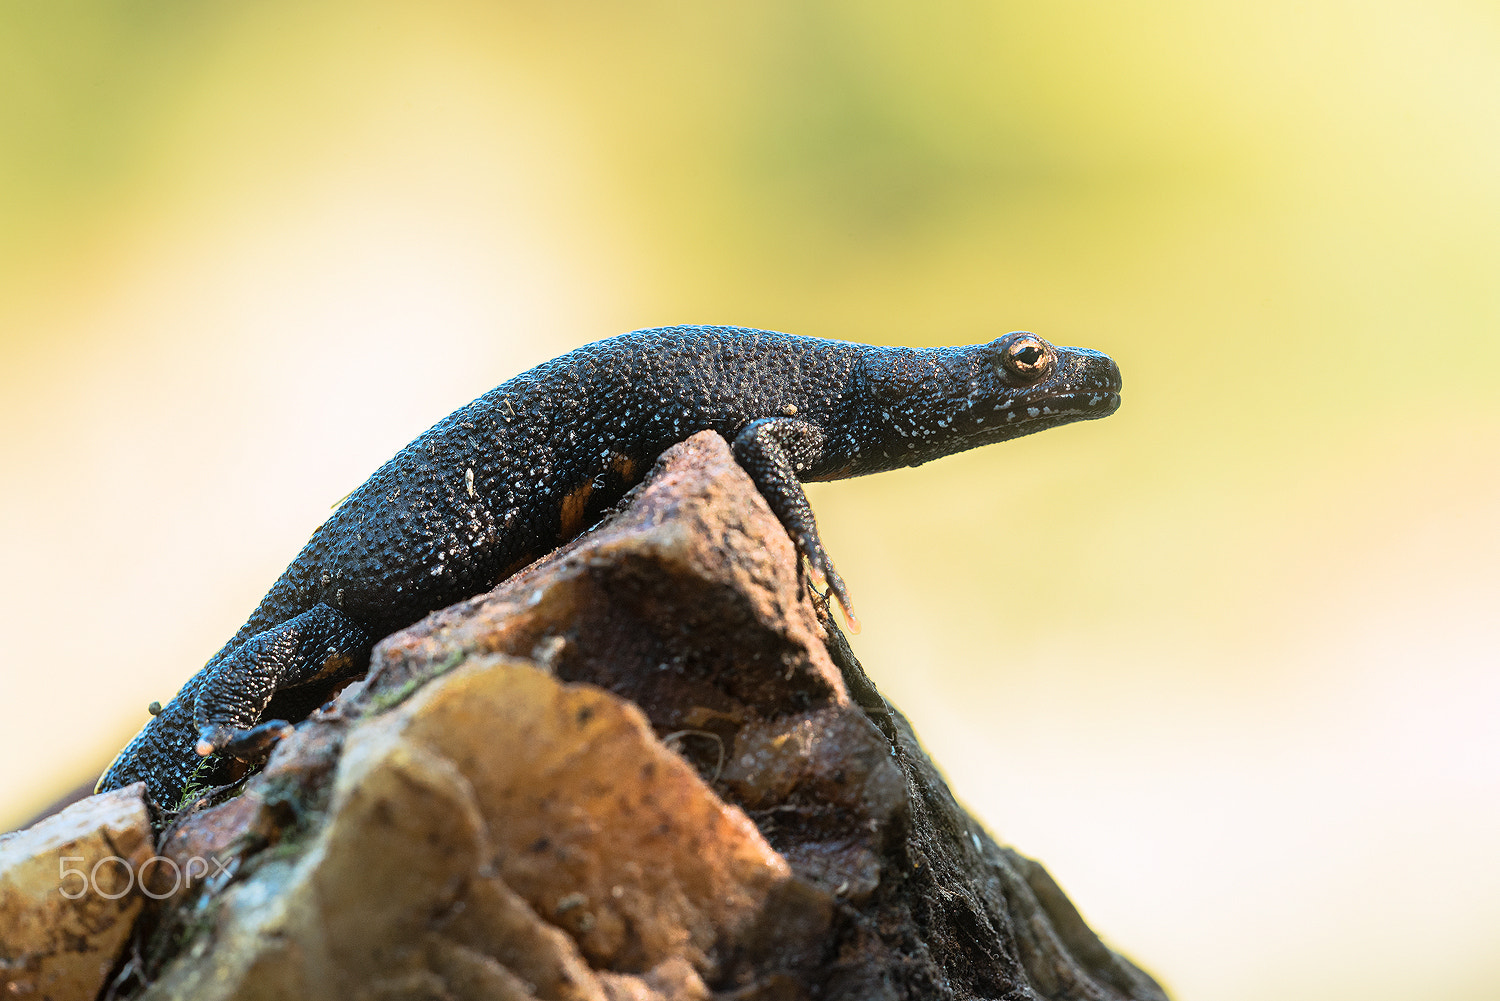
530	464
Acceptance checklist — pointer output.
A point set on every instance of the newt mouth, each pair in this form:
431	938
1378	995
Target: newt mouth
1075	405
1102	404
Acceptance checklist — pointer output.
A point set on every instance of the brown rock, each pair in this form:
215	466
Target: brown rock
688	602
602	829
70	893
645	768
496	776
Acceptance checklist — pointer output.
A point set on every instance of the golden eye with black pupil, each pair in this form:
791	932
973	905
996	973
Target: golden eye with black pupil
1025	355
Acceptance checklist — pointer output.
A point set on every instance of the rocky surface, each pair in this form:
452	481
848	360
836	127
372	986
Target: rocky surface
69	895
647	767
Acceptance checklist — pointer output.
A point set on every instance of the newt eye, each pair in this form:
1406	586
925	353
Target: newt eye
1024	354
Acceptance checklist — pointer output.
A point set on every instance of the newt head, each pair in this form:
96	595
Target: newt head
1020	384
937	401
1036	385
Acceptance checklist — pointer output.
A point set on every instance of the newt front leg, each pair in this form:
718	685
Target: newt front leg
777	452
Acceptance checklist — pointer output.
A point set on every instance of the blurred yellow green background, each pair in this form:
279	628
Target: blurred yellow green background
1226	662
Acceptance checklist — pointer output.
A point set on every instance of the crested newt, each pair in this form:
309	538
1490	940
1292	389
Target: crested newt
531	463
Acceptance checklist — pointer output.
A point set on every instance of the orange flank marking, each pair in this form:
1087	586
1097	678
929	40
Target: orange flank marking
623	466
573	507
332	667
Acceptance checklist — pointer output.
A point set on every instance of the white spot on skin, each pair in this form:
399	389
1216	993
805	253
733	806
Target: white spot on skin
1032	412
469	482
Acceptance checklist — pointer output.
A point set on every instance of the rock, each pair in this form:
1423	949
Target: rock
647	768
70	893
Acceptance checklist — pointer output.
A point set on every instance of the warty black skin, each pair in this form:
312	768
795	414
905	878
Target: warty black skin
531	463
